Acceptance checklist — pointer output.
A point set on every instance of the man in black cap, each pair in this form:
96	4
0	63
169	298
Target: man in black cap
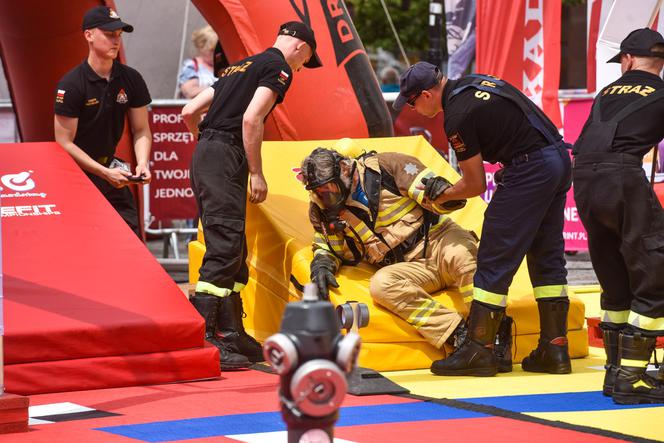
91	104
487	119
623	216
229	152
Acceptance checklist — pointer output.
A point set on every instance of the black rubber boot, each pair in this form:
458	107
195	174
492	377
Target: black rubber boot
503	346
633	386
475	355
246	343
208	305
610	337
552	353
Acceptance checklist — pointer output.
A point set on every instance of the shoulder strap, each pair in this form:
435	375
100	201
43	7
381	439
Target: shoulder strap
637	105
503	89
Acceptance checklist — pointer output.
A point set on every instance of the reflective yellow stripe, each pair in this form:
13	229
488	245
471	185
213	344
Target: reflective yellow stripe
209	288
466	293
395	212
442	218
617	317
420	316
490	298
363	231
237	287
633	363
550	291
418	194
647	323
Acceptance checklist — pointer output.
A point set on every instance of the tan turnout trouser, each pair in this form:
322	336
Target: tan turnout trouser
404	288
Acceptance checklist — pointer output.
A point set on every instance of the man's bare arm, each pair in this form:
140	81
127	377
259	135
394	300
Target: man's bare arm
65	131
140	128
252	133
472	183
192	111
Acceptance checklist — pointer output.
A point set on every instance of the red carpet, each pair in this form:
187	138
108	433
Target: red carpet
86	303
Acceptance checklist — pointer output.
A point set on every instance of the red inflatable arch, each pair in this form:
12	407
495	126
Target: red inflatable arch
40	41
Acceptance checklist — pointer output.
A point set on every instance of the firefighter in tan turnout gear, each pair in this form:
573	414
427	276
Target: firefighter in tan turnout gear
376	207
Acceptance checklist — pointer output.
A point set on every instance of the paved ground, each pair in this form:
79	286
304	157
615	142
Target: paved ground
580	270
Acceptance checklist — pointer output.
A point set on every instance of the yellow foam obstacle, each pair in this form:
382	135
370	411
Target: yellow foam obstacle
279	239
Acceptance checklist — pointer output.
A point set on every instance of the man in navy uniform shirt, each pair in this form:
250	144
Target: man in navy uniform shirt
487	119
91	103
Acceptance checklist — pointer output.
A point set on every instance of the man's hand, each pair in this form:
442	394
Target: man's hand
117	177
143	170
323	268
434	190
257	188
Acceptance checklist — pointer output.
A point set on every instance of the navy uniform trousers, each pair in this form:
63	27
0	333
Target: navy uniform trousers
525	218
219	174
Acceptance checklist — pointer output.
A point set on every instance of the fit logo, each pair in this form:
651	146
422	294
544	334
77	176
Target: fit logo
18	182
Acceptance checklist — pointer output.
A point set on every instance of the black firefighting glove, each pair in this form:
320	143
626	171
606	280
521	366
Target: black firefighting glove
323	268
434	188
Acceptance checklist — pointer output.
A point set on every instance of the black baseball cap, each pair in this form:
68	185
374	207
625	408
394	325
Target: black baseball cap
104	18
303	32
414	80
640	42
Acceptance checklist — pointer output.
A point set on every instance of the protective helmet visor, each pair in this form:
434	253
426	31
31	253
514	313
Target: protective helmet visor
327	195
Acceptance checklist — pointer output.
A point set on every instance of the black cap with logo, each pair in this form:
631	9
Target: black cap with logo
640	43
303	32
414	80
104	18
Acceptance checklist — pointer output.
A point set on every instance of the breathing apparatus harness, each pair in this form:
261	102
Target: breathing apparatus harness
374	181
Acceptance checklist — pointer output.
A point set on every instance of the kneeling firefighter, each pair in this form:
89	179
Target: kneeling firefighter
375	208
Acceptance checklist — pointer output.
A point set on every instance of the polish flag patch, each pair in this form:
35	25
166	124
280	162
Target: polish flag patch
60	97
283	76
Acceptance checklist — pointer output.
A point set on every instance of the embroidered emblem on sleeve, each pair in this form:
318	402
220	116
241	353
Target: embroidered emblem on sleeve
283	77
410	169
457	143
60	97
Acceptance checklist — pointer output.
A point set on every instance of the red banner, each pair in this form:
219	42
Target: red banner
171	196
520	42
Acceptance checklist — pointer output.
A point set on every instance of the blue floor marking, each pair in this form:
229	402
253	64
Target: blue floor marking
561	402
271	421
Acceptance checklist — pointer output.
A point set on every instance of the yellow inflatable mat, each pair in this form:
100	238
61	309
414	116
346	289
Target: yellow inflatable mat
279	242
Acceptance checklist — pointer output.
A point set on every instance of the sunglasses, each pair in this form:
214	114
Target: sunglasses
411	101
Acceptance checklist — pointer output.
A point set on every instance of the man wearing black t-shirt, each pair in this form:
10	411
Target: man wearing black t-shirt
228	152
488	119
91	104
623	216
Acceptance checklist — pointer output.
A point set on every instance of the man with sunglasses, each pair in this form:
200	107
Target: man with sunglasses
370	209
487	119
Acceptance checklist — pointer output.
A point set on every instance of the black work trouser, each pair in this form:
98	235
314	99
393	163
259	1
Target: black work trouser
625	224
121	199
219	174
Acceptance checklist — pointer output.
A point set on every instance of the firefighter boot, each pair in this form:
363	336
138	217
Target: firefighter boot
246	343
632	385
475	355
552	354
207	305
503	346
610	337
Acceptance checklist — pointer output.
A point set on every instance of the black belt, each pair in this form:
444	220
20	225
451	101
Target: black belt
232	137
532	155
608	157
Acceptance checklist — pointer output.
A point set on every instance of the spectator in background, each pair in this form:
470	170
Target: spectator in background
198	72
389	79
